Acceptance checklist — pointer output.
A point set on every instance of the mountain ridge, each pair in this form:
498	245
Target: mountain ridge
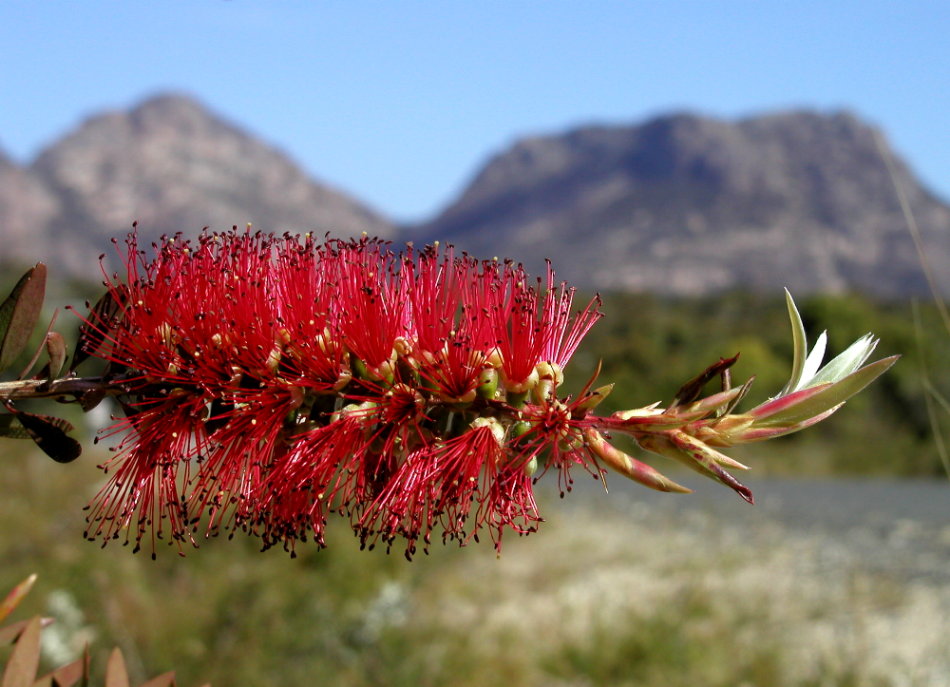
172	165
681	203
685	204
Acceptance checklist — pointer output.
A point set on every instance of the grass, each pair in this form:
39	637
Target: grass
612	591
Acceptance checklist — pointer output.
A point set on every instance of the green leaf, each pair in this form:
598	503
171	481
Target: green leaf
847	362
19	313
25	659
830	396
49	433
799	344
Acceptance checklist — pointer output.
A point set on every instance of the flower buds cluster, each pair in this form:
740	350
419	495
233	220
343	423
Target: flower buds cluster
268	382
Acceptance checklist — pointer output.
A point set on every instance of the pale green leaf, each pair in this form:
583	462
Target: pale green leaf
831	396
799	344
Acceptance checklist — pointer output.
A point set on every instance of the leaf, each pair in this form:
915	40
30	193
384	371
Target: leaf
91	398
799	344
49	433
692	389
56	350
69	674
847	362
829	396
25	659
116	674
813	362
9	633
19	313
13	598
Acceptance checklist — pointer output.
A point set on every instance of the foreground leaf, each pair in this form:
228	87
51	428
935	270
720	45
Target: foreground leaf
19	313
116	673
49	433
12	600
25	659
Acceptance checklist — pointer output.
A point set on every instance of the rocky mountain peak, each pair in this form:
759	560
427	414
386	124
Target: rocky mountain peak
173	165
690	204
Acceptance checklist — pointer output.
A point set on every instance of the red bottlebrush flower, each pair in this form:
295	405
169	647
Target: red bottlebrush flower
270	381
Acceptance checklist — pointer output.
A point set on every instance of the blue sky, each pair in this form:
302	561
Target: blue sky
399	102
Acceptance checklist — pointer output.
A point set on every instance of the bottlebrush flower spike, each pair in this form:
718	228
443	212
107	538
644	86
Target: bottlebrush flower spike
269	382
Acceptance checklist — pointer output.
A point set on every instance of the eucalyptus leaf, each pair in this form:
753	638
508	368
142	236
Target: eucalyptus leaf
19	313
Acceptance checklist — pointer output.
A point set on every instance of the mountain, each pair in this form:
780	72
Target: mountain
685	204
26	208
681	204
172	165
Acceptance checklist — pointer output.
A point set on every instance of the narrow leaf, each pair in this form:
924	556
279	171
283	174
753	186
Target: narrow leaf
116	674
56	350
673	445
764	432
19	313
799	344
49	433
848	361
68	675
13	598
692	389
813	362
829	396
630	467
25	659
780	404
9	633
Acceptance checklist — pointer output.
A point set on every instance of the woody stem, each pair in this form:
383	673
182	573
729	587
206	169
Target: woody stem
67	386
